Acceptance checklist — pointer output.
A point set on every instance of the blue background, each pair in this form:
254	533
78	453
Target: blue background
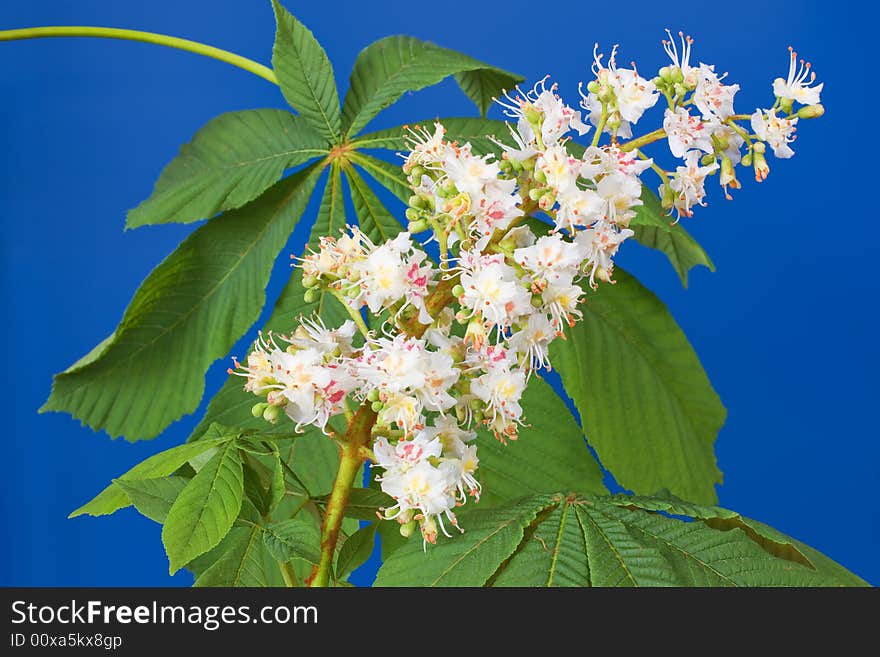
786	328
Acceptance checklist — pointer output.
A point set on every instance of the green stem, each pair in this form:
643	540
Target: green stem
287	572
350	462
147	37
649	138
354	314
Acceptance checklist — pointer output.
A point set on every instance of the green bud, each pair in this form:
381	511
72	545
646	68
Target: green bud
665	73
747	160
412	214
271	413
258	409
475	404
540	177
537	301
457	291
505	165
311	295
594	87
658	81
417	172
478	416
373	395
811	112
680	89
408	529
535	194
418	226
676	75
707	159
667	197
787	104
310	281
377	406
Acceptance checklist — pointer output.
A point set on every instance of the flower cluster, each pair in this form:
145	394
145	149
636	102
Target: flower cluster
524	233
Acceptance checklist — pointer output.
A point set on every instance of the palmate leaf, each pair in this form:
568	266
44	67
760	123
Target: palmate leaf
587	540
305	75
188	312
204	511
232	405
654	228
646	404
153	497
355	551
388	68
229	162
291	539
374	219
114	497
549	454
245	561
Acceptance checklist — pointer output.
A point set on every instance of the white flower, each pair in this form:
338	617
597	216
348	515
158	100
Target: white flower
312	333
797	86
688	184
713	98
598	161
427	149
686	132
560	169
391	364
578	207
468	172
561	302
601	243
776	131
621	194
632	95
541	106
551	258
681	60
501	388
533	341
401	410
727	135
493	289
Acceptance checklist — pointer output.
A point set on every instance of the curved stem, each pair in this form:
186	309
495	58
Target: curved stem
289	575
350	462
146	37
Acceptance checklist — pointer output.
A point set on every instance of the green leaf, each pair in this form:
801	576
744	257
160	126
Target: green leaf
292	539
374	219
586	540
388	68
363	503
355	551
305	75
550	453
162	464
277	486
654	229
390	176
190	311
646	405
204	511
245	562
331	214
478	132
153	497
468	559
484	86
229	162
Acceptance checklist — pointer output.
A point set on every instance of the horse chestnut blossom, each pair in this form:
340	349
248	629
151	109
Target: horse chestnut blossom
525	235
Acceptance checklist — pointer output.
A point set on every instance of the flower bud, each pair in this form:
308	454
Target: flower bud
457	291
707	159
271	413
594	87
407	529
257	410
667	197
762	169
680	89
728	176
676	75
532	114
747	160
377	406
311	295
417	226
412	214
310	281
665	73
417	172
811	112
373	395
786	104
